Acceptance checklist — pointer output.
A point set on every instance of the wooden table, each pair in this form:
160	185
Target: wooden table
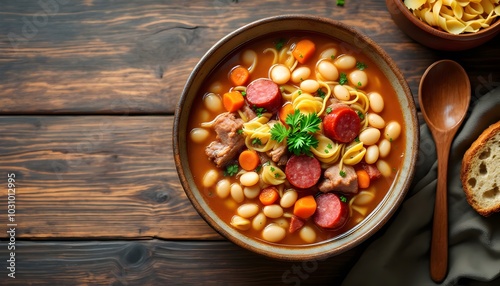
87	96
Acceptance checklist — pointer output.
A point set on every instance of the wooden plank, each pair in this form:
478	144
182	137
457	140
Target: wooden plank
95	176
156	262
89	57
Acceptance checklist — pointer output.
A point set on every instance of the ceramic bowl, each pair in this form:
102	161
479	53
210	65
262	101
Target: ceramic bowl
434	38
331	28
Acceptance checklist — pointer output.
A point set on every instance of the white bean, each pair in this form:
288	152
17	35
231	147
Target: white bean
341	92
376	101
358	78
215	87
248	210
248	57
273	233
280	74
223	188
328	70
345	62
300	74
282	222
210	178
307	234
237	193
369	136
259	221
249	179
329	53
198	135
240	222
309	86
288	199
372	154
252	192
213	102
273	211
384	168
376	120
392	131
384	148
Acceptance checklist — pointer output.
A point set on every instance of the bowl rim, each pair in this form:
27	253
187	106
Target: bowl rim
310	251
492	29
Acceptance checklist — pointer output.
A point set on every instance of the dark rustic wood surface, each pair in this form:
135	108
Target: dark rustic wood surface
87	95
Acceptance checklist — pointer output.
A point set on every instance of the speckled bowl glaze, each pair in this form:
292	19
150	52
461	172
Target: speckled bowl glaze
331	28
434	38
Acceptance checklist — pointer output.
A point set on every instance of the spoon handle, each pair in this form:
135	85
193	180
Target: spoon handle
439	243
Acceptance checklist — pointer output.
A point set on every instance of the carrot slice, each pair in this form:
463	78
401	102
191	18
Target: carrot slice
304	50
284	111
249	160
239	75
232	101
363	179
305	207
268	196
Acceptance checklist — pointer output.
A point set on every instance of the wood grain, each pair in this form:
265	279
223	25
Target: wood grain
156	262
96	176
97	57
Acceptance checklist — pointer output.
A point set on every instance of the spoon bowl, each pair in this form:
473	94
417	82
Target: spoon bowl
444	96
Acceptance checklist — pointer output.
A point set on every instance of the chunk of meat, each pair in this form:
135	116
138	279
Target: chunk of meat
228	142
333	181
372	170
248	112
295	224
277	154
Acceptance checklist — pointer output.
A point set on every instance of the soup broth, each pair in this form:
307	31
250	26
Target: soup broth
234	193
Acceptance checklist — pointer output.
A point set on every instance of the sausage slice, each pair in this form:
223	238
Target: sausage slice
264	93
303	171
331	212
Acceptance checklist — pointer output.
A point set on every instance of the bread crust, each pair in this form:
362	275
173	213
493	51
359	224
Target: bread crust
470	162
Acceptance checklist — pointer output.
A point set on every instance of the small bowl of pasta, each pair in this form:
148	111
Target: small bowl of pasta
447	25
296	137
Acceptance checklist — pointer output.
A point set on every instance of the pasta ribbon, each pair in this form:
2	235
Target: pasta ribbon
353	155
455	16
257	133
327	151
273	175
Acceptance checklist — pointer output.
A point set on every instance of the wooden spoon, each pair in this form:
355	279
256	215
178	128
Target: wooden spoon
444	96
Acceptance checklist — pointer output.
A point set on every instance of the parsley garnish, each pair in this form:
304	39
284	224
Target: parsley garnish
272	169
277	175
326	151
321	93
240	131
329	146
343	199
361	66
279	45
259	111
343	79
342	173
356	139
256	141
360	114
231	170
258	168
299	136
328	110
300	92
359	83
243	93
340	2
332	57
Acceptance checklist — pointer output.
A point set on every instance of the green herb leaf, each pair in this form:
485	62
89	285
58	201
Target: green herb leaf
360	114
342	173
343	79
299	135
343	199
243	93
256	141
321	93
259	111
340	2
280	44
328	110
231	170
240	131
277	175
361	66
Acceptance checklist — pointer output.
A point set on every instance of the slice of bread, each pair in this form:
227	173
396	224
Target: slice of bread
480	173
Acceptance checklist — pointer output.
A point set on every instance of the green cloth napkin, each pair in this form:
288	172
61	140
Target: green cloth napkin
400	253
